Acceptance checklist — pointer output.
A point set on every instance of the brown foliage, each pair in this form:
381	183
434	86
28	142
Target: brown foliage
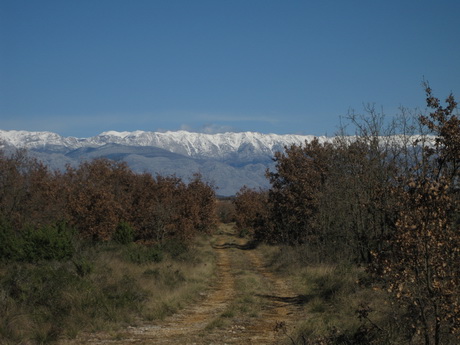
203	204
252	212
301	173
445	125
167	208
97	196
383	201
29	193
420	265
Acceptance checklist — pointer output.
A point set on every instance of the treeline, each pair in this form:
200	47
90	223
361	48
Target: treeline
387	199
96	247
98	201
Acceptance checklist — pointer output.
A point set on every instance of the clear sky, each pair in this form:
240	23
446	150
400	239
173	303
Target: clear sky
80	67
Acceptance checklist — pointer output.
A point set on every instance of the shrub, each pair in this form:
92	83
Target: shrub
176	248
50	242
41	303
124	233
11	245
140	254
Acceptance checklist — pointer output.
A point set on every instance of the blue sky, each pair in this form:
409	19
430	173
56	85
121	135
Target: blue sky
82	67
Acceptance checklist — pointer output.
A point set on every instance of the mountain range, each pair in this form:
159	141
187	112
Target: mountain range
227	160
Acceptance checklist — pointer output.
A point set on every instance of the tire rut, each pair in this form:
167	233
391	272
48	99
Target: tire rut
280	308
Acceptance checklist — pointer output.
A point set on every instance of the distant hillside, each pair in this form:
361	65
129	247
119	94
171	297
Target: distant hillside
229	160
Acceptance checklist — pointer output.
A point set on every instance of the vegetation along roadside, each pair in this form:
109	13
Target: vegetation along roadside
356	241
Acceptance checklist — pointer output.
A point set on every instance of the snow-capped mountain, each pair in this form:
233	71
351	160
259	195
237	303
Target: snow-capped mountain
197	145
230	160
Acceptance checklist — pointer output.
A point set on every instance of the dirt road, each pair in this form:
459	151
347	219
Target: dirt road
248	305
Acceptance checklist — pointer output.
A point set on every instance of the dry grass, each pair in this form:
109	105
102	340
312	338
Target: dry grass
100	290
245	305
175	284
249	285
334	295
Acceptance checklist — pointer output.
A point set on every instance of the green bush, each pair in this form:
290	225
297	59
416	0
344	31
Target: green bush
124	233
41	303
176	249
43	296
38	286
140	254
51	242
11	244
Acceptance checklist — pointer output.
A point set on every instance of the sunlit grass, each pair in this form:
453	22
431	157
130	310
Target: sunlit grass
334	294
247	302
100	289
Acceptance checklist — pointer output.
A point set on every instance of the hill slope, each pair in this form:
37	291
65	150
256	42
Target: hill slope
229	160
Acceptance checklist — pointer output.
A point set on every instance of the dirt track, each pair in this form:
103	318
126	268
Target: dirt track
278	307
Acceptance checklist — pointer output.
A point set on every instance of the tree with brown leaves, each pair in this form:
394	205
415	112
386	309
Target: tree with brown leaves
301	172
421	264
252	212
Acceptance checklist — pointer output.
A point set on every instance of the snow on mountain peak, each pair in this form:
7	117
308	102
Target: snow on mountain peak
26	139
192	144
228	160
